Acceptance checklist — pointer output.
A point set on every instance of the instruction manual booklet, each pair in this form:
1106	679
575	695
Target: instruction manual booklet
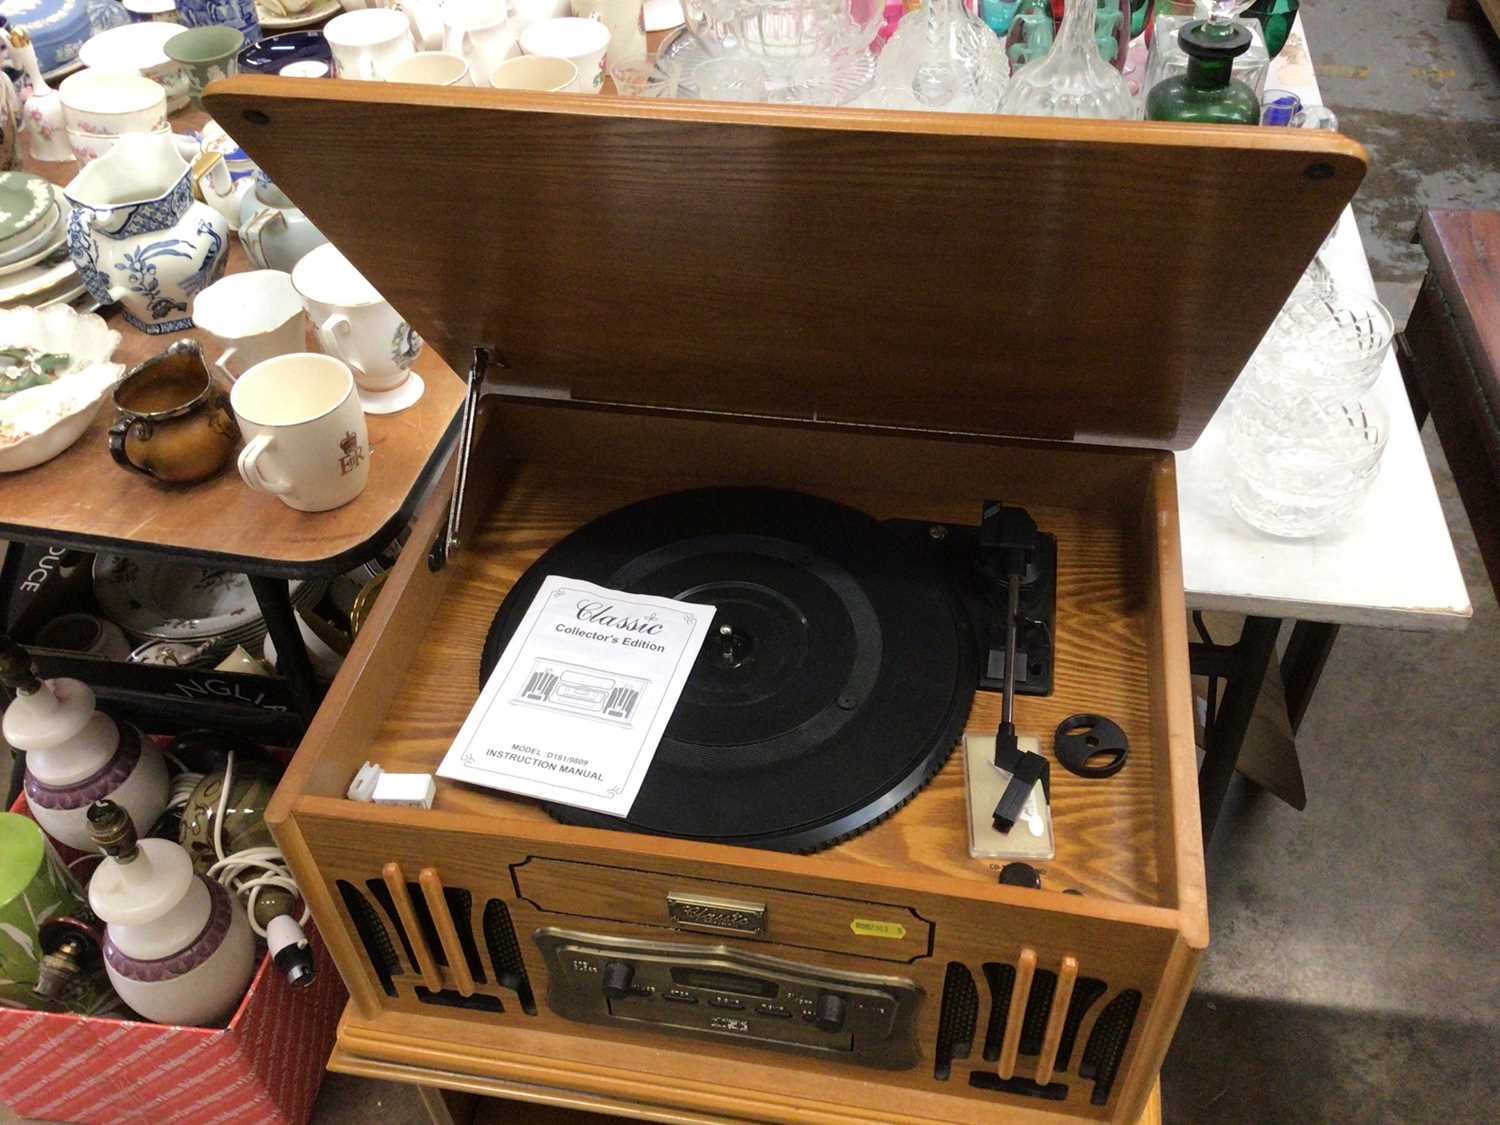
577	703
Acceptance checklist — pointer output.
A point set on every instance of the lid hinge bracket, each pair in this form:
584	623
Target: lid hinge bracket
449	539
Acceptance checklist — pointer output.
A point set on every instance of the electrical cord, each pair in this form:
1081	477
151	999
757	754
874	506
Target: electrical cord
249	871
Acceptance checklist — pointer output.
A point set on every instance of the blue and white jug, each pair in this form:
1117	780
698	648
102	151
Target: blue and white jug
137	236
230	13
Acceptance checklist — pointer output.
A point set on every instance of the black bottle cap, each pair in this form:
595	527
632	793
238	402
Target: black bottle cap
1214	39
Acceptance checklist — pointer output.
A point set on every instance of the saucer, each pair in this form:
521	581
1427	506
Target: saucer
316	14
394	400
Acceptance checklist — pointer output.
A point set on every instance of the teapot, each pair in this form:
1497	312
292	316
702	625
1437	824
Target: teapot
138	237
274	232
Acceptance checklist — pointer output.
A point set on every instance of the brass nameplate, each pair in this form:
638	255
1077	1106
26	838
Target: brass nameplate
716	915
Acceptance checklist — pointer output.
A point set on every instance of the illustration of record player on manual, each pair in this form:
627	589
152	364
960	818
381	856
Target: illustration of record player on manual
919	838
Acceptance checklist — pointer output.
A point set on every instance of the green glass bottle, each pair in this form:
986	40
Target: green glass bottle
1208	93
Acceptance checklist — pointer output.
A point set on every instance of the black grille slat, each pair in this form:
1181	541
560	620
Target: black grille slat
505	954
372	933
1038	1008
461	907
383	896
957	1019
1085	992
1002	980
1105	1049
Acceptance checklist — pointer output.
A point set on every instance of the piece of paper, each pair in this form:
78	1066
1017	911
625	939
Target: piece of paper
577	703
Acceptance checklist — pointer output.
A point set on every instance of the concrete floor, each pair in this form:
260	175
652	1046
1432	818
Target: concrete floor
1354	972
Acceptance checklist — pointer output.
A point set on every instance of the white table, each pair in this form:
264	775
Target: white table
1392	564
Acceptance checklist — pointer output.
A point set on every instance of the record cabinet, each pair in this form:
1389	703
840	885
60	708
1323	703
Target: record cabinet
907	314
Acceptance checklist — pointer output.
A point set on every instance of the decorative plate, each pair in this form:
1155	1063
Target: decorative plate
43	245
175	601
316	14
31	280
26	203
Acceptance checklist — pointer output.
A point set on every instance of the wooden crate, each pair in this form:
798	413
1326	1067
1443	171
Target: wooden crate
627	378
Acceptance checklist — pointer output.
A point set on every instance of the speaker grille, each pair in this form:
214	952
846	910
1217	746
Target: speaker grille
505	954
373	935
1105	1049
956	1019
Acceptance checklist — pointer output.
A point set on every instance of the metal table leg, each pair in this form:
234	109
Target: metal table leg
1302	665
274	596
1245	670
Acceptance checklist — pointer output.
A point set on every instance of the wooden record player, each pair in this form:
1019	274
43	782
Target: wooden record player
907	314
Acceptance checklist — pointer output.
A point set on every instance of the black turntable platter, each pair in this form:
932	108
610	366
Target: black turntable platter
835	679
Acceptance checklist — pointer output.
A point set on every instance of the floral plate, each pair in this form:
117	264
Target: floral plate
174	601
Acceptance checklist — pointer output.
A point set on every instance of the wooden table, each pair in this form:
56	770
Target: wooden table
82	499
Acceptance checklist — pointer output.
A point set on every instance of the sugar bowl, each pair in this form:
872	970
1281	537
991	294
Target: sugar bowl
175	424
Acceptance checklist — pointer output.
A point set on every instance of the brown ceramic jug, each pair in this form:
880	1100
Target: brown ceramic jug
175	424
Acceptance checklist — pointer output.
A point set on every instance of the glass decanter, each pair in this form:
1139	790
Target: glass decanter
1207	92
942	58
1073	80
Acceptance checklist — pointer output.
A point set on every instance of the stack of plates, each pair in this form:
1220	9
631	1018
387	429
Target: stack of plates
154	599
35	268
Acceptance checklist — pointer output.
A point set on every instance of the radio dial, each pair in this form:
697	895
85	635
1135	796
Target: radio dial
617	978
830	1011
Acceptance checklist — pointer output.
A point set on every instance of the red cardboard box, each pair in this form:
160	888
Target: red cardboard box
263	1069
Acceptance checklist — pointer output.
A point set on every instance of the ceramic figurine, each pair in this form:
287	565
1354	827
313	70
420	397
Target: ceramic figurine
137	236
75	754
42	112
178	947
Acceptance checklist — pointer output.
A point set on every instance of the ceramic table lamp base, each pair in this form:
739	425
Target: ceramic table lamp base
76	755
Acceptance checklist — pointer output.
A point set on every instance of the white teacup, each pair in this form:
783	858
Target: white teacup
111	103
431	68
584	43
480	31
357	324
532	72
257	313
626	21
367	43
305	436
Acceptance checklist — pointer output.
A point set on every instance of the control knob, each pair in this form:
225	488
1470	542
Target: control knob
829	1013
617	978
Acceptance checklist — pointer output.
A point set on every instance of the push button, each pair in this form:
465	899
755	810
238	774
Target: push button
726	1002
777	1010
679	996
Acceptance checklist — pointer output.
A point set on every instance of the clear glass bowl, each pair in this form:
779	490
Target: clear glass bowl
784	31
1301	468
1327	343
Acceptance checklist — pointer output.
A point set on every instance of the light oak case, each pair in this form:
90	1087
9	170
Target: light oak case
687	294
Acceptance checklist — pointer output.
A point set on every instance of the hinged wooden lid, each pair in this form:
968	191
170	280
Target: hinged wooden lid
1094	281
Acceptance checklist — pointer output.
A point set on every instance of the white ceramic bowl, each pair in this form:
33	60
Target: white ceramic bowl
110	103
38	424
140	47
